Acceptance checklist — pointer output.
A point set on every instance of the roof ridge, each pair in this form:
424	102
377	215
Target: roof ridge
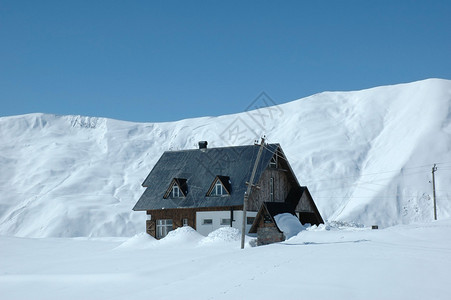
223	147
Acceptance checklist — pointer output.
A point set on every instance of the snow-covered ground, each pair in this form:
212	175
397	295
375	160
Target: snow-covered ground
401	262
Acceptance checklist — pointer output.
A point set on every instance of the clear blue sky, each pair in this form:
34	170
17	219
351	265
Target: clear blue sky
168	60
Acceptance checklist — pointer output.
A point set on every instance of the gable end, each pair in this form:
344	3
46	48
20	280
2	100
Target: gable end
181	185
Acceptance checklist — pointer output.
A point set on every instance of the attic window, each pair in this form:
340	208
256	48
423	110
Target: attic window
177	189
273	162
220	187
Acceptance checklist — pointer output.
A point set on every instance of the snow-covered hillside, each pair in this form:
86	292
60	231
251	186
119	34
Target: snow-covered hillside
366	157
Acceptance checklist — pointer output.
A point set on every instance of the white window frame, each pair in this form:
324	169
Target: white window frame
175	191
163	227
185	222
219	188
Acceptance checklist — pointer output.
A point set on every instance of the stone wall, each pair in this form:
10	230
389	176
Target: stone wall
269	235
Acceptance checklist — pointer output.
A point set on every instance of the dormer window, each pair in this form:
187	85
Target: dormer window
220	187
177	189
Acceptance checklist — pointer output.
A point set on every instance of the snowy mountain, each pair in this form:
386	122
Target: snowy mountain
366	157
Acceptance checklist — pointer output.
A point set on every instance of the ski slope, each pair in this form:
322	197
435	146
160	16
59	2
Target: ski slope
366	157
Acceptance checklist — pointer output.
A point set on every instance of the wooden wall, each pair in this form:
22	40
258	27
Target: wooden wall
308	212
282	185
305	203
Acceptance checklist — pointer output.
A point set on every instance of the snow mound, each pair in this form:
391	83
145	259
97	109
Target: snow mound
183	235
139	241
337	225
288	224
222	235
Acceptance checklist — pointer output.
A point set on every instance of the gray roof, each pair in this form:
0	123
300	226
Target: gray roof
200	167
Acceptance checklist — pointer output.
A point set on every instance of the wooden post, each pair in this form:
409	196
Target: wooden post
248	191
434	168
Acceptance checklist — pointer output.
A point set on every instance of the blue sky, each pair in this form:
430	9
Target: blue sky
153	61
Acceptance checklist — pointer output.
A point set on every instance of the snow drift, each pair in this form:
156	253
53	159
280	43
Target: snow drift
289	224
366	157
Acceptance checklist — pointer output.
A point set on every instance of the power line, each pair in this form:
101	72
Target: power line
367	174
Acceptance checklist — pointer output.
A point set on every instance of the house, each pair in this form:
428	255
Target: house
204	188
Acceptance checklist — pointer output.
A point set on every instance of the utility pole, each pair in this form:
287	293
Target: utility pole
248	192
434	168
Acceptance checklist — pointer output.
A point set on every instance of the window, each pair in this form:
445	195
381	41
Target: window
250	220
185	222
225	222
267	219
177	189
163	227
221	186
273	162
271	189
218	189
207	221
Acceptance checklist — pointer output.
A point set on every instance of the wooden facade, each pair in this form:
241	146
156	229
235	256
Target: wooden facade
277	184
280	181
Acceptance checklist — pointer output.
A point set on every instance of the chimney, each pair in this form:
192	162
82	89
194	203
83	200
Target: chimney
203	145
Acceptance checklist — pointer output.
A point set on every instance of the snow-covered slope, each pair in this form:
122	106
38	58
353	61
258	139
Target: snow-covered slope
366	157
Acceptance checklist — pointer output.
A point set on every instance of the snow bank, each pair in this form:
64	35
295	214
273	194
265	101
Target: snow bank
288	224
139	241
183	236
337	225
222	235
